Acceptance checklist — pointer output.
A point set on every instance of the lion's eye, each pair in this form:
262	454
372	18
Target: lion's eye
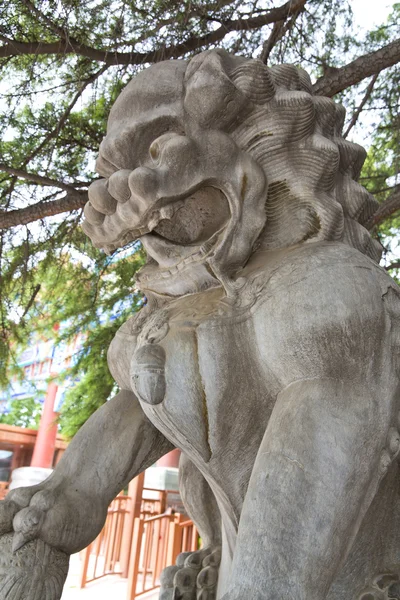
154	151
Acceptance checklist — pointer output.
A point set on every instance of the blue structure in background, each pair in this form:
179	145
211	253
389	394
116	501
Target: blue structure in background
41	360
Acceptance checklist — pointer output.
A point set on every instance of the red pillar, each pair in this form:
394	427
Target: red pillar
170	460
43	452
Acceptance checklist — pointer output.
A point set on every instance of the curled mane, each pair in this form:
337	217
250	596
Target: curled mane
296	137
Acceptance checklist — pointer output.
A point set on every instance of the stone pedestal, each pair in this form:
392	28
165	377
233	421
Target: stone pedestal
25	476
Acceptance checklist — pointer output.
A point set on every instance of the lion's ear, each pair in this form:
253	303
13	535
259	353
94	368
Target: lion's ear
219	87
211	97
254	80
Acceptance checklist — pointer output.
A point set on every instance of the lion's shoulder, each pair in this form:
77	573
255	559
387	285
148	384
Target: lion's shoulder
315	273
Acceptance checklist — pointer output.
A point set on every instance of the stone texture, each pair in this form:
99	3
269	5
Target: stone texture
35	571
268	350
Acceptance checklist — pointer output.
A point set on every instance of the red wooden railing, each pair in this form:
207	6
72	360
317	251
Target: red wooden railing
138	540
103	556
3	489
157	541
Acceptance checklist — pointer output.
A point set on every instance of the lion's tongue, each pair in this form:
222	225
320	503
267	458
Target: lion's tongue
202	214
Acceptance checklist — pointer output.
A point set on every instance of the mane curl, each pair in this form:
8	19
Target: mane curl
296	137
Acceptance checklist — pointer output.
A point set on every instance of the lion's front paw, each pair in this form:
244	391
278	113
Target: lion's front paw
32	572
55	513
15	502
384	587
194	577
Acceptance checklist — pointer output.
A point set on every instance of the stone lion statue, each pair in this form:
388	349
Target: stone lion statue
268	351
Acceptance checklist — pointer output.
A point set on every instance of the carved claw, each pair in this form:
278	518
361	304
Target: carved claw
22	496
167	582
19	540
15	501
167	594
44	513
185	583
194	577
8	510
207	578
26	525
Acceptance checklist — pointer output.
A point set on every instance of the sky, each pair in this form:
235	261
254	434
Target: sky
369	13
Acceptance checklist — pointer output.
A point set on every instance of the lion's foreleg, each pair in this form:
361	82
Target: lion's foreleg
316	472
200	503
68	510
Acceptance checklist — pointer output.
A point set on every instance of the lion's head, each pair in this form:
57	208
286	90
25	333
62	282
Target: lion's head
206	160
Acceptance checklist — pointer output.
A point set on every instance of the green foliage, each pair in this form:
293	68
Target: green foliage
91	390
94	299
24	412
380	173
383	163
86	291
53	113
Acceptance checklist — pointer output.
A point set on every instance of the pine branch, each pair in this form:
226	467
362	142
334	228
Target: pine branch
54	132
279	30
110	57
274	37
204	13
363	102
393	265
60	31
337	80
31	300
47	181
71	201
386	209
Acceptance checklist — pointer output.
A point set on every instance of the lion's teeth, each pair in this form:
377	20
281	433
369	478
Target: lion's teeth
167	212
153	221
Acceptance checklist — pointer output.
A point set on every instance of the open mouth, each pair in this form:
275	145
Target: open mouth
192	221
184	223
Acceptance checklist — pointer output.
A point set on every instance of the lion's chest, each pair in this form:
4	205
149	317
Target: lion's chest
211	398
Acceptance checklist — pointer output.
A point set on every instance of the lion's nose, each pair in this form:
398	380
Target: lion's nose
144	185
118	185
100	198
